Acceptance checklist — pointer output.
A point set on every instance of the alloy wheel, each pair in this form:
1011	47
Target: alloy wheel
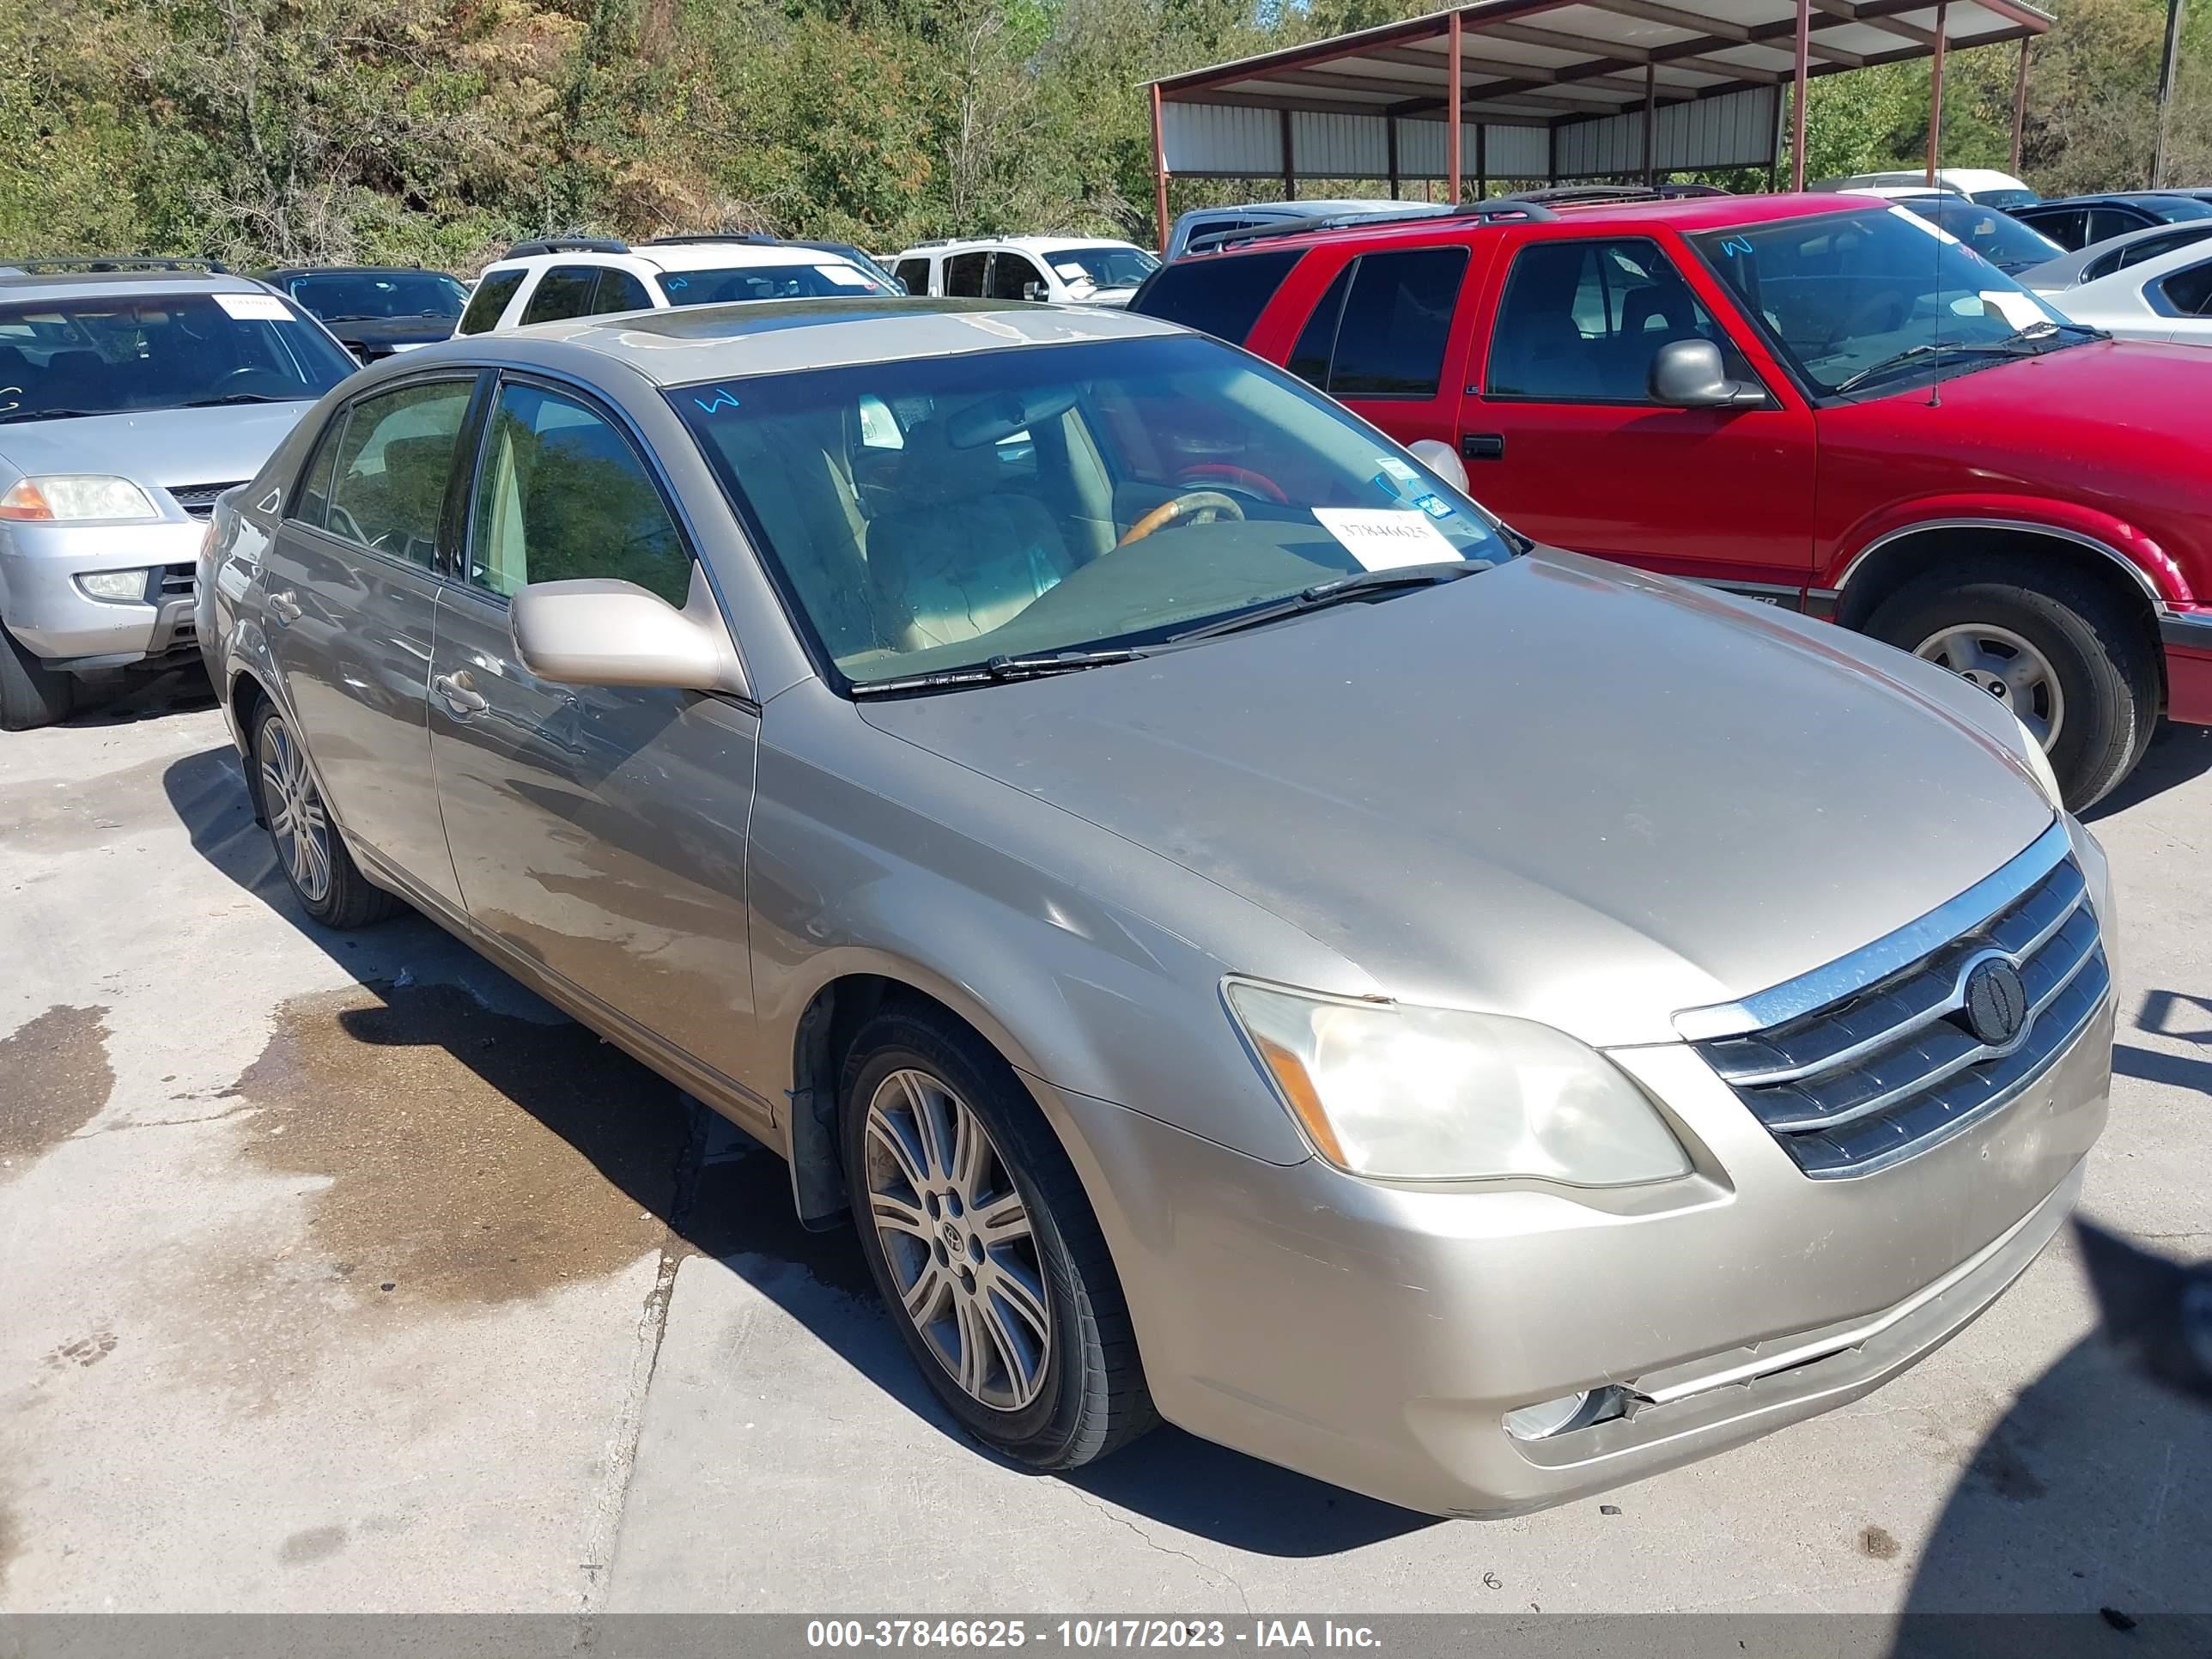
296	820
2009	668
957	1237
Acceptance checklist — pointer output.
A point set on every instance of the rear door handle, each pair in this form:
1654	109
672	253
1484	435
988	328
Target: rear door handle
462	699
1482	445
284	607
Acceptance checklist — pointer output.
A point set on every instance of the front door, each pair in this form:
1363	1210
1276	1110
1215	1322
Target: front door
352	580
1563	438
600	832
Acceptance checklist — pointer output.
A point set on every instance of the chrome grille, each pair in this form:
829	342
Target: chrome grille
1891	1067
198	500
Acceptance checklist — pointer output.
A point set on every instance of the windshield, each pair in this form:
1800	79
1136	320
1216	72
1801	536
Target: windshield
354	297
1840	295
1102	267
1997	237
97	355
936	512
780	282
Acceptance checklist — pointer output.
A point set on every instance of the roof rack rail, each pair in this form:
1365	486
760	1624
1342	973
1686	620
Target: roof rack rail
1500	207
567	244
1579	195
758	238
61	262
934	241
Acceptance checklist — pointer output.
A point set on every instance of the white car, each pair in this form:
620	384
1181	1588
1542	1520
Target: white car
1084	271
1983	185
2167	298
547	281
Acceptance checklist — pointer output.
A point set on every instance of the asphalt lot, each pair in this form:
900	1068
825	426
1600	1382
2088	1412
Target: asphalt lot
342	1274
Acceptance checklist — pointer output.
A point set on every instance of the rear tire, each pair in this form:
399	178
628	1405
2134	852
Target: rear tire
30	694
2077	651
322	875
1022	1270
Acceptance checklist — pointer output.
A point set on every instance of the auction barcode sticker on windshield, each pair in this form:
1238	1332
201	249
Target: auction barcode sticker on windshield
255	308
1384	538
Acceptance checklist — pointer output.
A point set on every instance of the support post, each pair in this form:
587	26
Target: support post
1936	92
1797	97
1651	115
1290	165
1451	108
1390	143
1159	174
2019	103
2167	66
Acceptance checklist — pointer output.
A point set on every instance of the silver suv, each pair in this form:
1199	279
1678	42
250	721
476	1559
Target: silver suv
131	397
1246	937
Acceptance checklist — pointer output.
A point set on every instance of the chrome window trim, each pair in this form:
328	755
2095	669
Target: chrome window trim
1997	892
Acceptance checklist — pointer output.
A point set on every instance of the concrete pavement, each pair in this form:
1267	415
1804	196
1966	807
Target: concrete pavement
344	1273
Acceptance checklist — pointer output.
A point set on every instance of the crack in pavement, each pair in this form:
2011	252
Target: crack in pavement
1150	1542
159	1122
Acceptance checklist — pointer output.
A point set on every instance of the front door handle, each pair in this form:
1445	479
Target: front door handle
462	699
285	607
1482	445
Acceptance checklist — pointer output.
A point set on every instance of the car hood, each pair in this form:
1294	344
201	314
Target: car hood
379	336
164	447
1558	789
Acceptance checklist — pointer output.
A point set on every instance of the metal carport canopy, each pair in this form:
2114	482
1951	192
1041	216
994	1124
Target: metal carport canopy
1548	89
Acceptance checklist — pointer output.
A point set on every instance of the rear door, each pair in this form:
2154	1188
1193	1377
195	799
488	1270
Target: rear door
351	580
2183	302
599	832
1563	439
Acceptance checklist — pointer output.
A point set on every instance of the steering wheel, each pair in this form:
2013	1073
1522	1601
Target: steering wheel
1188	505
1258	482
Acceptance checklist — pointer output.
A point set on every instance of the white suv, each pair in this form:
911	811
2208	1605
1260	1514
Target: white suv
1085	270
584	277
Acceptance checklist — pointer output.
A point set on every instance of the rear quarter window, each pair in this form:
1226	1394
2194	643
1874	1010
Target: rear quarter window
488	303
1221	295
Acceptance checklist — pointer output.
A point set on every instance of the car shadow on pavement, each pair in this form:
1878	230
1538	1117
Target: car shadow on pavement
425	999
2177	753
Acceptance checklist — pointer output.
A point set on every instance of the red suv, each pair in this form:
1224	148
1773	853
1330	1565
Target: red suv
1823	402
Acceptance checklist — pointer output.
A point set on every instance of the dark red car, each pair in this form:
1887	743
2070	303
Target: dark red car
1821	401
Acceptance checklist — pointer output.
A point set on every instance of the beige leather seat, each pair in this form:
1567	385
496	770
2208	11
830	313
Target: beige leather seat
961	556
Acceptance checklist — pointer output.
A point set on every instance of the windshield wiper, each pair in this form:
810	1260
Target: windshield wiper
998	670
1361	585
236	398
2020	342
56	414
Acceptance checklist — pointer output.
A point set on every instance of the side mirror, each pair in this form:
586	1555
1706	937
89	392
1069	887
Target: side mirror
600	632
1035	291
1441	458
1688	374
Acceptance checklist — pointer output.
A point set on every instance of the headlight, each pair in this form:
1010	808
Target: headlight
114	584
2039	766
77	496
1426	1094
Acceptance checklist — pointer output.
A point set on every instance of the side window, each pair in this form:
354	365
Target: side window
618	290
1309	358
2105	222
2136	253
488	303
2188	293
1390	343
1582	321
2068	226
392	467
563	291
1012	275
1220	295
311	500
964	274
914	273
560	493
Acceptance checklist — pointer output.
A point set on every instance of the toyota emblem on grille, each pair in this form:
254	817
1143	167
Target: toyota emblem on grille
1997	1002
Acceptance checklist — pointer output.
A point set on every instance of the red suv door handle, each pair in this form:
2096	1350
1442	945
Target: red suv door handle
1482	445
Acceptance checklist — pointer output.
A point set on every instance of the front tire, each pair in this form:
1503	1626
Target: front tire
985	1250
322	875
30	694
2055	646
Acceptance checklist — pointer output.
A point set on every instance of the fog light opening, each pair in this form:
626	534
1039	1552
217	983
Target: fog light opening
1566	1414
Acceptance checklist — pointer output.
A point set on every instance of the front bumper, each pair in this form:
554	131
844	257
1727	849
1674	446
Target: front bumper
60	625
1376	1335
